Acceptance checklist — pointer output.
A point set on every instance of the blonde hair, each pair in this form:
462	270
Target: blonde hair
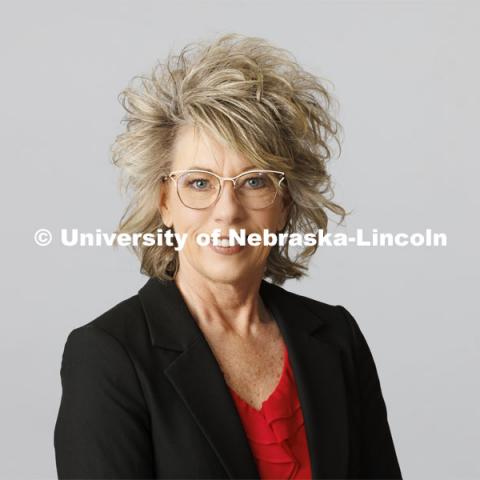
255	98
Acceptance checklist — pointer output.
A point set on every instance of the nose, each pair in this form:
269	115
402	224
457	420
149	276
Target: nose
228	192
228	206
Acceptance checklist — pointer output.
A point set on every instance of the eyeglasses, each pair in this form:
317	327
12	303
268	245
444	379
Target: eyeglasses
200	189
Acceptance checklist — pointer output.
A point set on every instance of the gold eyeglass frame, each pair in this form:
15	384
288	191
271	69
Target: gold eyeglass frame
221	180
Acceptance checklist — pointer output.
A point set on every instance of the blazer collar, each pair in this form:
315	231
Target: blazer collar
196	376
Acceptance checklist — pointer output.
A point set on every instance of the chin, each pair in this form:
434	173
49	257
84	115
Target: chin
220	273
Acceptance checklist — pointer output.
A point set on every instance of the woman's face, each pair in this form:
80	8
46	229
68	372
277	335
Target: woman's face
195	149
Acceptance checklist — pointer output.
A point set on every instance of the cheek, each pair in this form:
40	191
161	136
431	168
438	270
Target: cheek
186	219
268	220
192	225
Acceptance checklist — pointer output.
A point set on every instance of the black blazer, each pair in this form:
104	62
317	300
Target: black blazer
143	395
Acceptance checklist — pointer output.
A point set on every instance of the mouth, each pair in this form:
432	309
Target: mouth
224	241
225	246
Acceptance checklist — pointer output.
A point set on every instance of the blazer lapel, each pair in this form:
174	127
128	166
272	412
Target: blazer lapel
196	376
316	365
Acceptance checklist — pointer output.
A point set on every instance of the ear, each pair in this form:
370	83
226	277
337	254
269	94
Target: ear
284	213
163	205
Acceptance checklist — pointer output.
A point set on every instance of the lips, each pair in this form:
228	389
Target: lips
223	241
226	250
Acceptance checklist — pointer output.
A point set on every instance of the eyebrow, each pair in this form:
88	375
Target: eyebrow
194	167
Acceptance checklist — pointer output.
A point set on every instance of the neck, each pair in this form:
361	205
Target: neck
224	308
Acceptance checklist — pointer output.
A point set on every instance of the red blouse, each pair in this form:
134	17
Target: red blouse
276	432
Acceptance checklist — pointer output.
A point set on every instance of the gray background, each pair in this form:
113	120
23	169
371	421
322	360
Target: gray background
407	78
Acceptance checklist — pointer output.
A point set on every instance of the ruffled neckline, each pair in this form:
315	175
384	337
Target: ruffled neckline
278	391
271	429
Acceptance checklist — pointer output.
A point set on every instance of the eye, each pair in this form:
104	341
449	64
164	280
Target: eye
254	182
198	184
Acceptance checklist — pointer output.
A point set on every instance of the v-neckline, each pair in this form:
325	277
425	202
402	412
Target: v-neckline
275	390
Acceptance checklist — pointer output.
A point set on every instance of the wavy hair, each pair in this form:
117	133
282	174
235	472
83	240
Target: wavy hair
254	97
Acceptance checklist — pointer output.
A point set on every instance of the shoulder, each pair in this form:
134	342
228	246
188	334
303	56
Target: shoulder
121	320
337	326
120	328
332	323
330	315
329	311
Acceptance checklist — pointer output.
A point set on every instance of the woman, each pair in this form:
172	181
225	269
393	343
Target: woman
211	371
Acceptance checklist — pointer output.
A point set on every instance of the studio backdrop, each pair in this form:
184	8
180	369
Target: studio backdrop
403	77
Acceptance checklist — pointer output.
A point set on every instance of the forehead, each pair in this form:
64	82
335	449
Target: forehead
195	148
